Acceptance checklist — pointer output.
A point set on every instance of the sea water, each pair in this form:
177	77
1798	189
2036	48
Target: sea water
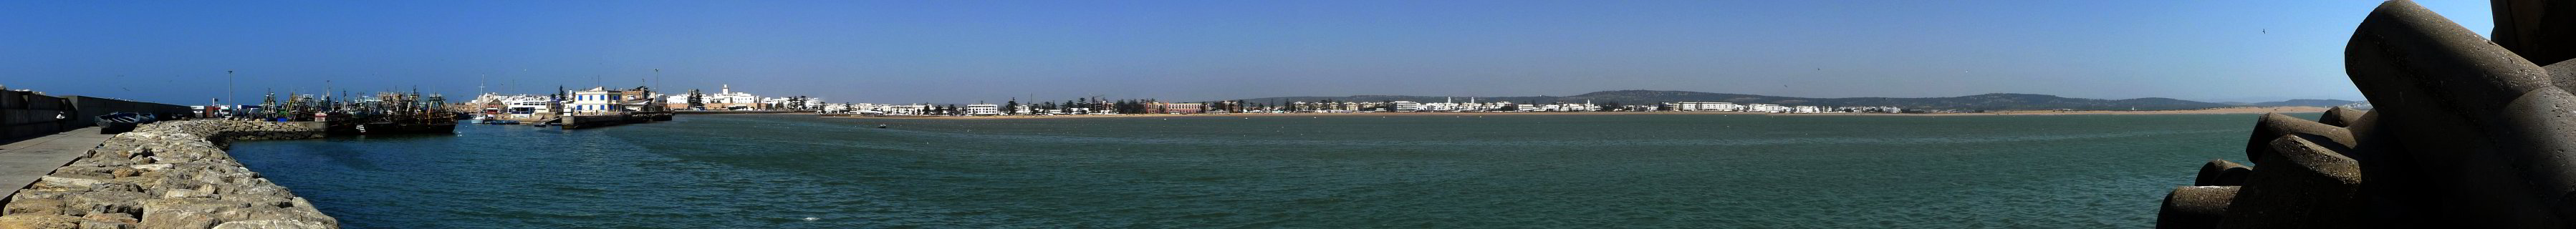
1224	171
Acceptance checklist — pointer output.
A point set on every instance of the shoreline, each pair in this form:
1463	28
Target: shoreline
2226	110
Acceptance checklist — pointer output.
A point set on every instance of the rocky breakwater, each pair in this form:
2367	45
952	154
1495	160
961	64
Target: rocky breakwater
2467	133
167	175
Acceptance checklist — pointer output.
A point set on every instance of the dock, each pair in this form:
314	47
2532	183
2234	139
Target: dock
24	161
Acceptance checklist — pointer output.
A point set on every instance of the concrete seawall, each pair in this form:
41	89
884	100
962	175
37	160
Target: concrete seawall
167	175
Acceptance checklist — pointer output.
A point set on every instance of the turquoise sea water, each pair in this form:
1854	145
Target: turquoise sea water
1464	171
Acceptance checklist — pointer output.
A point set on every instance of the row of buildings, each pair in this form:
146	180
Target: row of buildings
1774	108
607	100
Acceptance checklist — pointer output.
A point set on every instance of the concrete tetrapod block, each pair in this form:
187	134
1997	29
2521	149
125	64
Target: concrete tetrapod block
2563	73
2258	148
2221	173
2536	29
2396	188
2534	161
2423	65
2194	206
2340	116
2438	89
2309	186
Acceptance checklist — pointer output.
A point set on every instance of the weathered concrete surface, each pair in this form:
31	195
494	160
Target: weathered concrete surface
2308	186
2340	116
2536	30
169	175
2466	133
24	161
2195	206
2222	173
2449	94
2258	148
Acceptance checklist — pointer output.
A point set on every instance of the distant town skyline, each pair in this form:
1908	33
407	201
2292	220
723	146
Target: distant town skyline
961	52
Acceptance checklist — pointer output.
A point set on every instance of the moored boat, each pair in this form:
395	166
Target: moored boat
120	122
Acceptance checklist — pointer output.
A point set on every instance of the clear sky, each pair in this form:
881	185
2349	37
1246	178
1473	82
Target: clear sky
967	51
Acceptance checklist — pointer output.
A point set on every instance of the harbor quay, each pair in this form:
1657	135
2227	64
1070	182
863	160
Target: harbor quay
173	174
93	162
65	169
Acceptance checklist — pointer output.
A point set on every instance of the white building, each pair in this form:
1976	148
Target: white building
903	109
983	109
596	100
1765	108
725	99
1806	109
517	106
1407	106
1578	107
1707	106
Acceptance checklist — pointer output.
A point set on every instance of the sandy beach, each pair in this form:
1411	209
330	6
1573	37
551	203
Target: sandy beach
2226	110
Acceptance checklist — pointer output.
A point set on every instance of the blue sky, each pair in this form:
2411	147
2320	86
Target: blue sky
967	51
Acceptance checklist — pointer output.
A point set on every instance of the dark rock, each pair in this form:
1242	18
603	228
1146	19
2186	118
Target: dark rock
2195	206
2221	173
2308	186
2258	148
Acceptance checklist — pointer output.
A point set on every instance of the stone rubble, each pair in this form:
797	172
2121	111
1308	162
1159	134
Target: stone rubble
172	174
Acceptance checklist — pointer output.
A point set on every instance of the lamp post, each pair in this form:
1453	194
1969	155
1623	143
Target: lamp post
228	92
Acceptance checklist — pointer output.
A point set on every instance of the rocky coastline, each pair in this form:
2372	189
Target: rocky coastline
167	175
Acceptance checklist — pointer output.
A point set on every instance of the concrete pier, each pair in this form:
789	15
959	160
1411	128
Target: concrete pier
172	174
24	161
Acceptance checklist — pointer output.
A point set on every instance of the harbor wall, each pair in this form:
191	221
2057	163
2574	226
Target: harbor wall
593	121
27	113
172	174
87	109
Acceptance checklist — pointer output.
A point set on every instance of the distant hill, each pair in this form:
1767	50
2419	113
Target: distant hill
1996	101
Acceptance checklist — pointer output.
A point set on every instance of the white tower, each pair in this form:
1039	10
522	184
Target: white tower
726	89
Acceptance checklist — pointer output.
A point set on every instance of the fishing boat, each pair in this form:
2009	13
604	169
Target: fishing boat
121	122
397	113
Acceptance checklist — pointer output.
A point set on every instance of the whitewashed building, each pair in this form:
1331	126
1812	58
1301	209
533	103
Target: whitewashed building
1806	109
596	100
1765	108
1407	106
983	109
1707	106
